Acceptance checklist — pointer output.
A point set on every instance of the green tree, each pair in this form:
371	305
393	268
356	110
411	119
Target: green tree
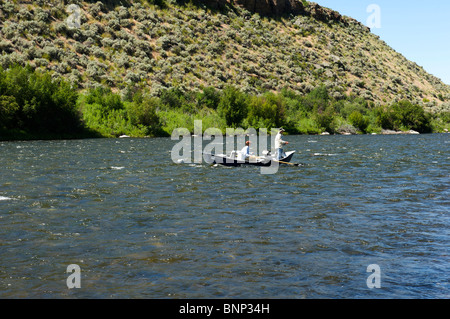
320	93
209	97
278	103
316	101
386	118
233	106
106	98
41	105
8	112
404	115
143	113
173	98
359	121
326	119
261	113
413	116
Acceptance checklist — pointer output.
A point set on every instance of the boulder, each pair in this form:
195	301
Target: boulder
287	7
347	129
271	7
391	132
324	14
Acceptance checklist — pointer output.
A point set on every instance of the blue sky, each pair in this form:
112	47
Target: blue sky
420	30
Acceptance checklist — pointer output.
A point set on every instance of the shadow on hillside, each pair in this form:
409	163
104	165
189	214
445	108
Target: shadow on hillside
213	5
216	6
112	4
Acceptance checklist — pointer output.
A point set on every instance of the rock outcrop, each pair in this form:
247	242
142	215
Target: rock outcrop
327	15
286	7
263	7
271	7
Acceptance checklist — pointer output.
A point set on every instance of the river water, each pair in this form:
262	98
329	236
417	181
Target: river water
139	225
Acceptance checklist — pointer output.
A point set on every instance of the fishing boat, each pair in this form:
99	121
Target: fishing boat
233	159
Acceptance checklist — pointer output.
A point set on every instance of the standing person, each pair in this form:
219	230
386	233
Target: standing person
279	144
245	152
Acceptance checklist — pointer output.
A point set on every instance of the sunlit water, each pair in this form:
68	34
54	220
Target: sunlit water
141	226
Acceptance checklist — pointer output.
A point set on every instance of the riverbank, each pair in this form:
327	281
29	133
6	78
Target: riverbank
21	136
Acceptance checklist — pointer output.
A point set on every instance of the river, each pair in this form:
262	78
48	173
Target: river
139	225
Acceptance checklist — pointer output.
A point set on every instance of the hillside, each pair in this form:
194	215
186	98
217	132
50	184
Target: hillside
288	44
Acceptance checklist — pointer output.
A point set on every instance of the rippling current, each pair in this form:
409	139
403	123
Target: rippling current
140	226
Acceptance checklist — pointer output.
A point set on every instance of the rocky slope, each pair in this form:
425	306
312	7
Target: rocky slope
257	45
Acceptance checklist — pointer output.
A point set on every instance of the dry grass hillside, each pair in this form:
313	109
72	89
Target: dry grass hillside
189	46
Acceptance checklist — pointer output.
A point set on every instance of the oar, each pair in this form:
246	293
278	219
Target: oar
293	164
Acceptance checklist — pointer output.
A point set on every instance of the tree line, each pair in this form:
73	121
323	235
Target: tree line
35	105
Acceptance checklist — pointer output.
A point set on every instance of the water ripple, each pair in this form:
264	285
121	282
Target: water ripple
141	226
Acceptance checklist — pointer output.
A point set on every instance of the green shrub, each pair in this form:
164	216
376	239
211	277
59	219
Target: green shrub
105	98
261	113
326	119
233	106
307	126
412	117
173	98
9	110
386	118
108	114
209	97
317	100
404	115
266	111
34	102
359	121
142	113
172	119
